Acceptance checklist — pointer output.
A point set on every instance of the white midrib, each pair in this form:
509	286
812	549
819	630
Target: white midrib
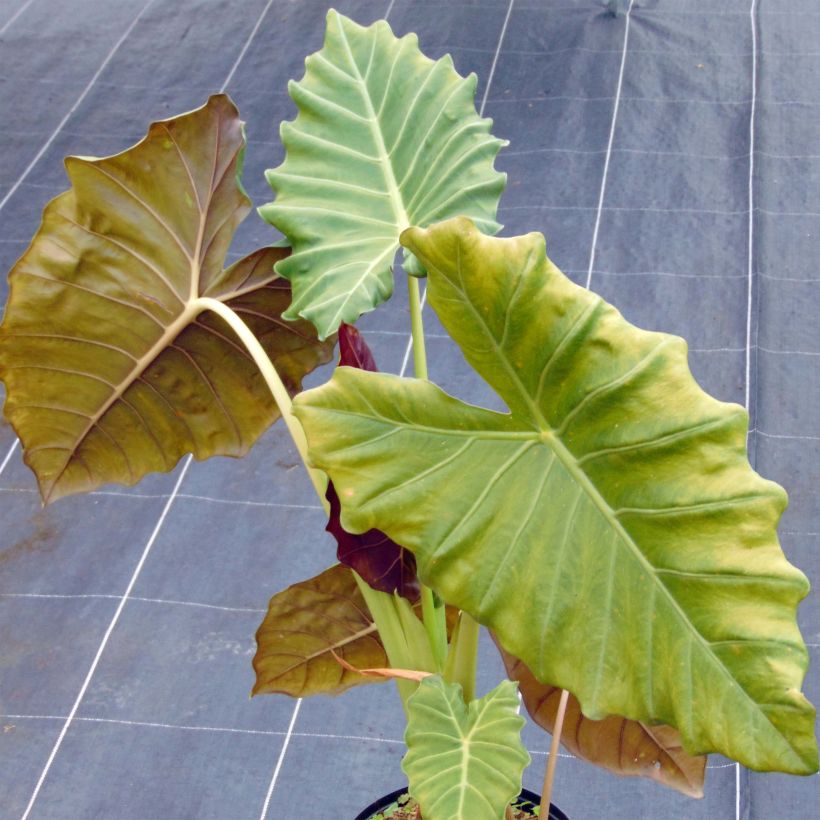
362	633
190	312
401	217
551	440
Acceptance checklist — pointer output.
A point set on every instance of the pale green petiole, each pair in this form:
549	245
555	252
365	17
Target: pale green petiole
275	385
432	608
404	638
463	655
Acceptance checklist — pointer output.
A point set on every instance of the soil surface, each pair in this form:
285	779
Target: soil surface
405	808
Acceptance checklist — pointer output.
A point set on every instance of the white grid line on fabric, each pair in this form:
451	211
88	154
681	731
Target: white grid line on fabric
75	105
185	89
280	760
749	294
750	246
661	12
8	456
447	47
592	208
245	47
678	275
266	732
496	55
180	496
104	642
643	209
649	12
196	728
783	435
610	142
684	100
140	599
8	24
506	153
654	153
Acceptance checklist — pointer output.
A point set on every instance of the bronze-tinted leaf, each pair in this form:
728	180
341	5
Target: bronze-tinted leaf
625	747
306	623
111	367
379	560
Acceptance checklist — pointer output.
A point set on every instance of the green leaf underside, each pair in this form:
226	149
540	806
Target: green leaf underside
303	624
111	370
623	746
463	761
385	138
609	529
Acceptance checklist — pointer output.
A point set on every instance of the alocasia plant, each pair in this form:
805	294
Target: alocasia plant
608	527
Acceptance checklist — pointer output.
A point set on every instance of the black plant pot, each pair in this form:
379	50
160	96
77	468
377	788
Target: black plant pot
526	800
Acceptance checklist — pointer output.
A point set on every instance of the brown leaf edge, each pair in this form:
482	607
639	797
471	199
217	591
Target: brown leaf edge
626	747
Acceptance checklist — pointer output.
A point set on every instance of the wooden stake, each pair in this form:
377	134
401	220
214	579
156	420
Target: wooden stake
549	775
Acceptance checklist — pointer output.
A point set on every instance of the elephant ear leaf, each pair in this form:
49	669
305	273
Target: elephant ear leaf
464	761
305	625
623	746
385	138
615	498
112	370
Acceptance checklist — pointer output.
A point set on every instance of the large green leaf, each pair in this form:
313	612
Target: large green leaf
305	624
623	746
609	528
385	138
463	761
111	368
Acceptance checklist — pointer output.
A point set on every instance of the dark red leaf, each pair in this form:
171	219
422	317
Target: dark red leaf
382	563
354	350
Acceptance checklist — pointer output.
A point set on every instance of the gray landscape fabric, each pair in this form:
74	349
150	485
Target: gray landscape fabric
670	154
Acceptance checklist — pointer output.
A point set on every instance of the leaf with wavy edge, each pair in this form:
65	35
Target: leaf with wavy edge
623	746
464	761
305	624
615	499
111	368
385	138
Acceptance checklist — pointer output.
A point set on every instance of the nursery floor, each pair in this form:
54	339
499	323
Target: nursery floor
672	158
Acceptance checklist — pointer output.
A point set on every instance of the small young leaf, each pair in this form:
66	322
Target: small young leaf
306	623
111	369
381	562
353	350
385	138
623	746
463	761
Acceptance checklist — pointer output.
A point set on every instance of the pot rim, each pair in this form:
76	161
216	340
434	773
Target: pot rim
384	801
